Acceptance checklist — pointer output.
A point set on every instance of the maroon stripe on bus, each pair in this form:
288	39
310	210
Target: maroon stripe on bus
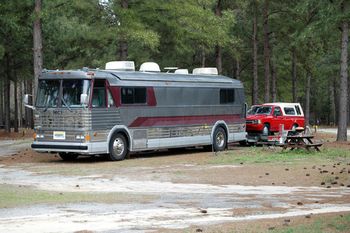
185	120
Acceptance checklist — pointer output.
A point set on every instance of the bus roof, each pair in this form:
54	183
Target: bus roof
143	78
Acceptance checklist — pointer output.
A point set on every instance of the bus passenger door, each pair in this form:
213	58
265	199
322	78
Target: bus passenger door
104	114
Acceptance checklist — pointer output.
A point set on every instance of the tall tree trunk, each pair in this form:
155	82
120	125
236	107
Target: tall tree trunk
20	108
273	80
294	76
332	117
218	58
218	50
7	95
203	57
238	69
307	99
255	88
28	111
123	43
1	102
15	94
266	52
343	96
38	49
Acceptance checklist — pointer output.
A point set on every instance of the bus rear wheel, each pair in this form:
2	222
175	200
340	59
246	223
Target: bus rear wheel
219	139
118	147
68	156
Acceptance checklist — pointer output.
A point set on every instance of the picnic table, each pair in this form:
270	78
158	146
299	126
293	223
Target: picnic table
301	142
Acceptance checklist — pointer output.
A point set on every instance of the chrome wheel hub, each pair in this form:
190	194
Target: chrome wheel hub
220	139
118	146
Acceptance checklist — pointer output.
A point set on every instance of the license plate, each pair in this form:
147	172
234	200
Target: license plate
59	135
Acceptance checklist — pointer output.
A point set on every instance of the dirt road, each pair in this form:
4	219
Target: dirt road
166	191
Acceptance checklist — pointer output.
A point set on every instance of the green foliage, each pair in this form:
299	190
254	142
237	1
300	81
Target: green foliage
13	196
335	224
261	155
179	33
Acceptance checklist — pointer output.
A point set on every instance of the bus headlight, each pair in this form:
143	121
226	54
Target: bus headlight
79	137
38	135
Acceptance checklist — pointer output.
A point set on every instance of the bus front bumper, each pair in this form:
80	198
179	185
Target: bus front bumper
54	147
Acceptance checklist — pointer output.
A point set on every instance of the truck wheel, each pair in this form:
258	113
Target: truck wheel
266	130
220	139
68	156
118	147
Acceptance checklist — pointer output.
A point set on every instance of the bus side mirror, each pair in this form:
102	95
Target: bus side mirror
26	101
83	99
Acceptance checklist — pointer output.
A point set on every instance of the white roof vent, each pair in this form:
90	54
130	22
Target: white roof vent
120	65
149	67
206	71
181	71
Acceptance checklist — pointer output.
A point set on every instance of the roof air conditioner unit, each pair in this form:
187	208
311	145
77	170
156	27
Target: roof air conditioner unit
149	67
181	71
206	71
120	65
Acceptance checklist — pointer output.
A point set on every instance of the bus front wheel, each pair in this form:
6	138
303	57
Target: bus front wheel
118	147
220	139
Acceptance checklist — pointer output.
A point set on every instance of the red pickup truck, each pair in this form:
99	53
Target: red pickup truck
266	119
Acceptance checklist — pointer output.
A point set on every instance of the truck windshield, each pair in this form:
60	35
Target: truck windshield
51	96
253	110
264	110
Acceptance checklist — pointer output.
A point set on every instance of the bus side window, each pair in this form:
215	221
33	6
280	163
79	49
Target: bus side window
99	94
110	99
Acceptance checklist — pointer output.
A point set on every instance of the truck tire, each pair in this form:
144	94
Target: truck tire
118	147
68	156
266	130
219	139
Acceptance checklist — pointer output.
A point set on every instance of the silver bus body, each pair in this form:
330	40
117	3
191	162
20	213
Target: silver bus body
151	110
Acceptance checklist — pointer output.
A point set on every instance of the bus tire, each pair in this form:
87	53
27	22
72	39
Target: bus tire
68	156
118	147
219	139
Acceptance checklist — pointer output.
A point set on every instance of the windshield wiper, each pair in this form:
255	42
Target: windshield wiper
46	107
65	103
48	104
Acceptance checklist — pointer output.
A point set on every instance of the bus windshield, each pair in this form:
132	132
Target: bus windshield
51	96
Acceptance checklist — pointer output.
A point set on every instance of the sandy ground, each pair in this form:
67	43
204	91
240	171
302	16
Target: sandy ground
186	192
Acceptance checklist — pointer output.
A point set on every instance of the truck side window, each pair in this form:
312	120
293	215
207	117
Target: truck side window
277	111
298	110
289	111
99	94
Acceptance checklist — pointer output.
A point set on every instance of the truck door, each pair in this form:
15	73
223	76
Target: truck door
277	119
289	117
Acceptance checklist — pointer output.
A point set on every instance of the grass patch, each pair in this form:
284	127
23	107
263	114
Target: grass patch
269	155
336	224
14	196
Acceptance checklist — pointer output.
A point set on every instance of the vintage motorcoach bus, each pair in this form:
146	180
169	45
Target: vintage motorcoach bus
117	111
